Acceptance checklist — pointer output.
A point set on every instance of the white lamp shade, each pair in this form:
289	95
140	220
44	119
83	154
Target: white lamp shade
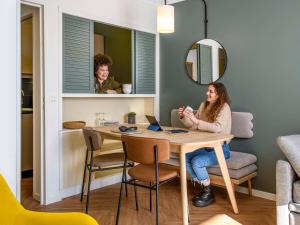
165	19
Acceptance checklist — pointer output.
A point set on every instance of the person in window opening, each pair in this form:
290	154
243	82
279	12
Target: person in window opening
213	115
103	82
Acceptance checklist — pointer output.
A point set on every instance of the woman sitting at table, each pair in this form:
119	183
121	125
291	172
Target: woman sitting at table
213	115
103	82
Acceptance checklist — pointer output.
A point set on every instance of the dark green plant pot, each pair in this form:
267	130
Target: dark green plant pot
131	119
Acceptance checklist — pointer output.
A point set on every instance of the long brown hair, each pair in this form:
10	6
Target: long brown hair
212	112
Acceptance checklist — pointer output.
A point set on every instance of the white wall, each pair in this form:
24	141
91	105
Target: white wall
10	93
135	14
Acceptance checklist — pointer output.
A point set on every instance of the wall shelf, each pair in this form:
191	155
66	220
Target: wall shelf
108	95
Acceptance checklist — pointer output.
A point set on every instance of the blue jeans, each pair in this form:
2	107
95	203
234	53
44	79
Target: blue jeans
197	161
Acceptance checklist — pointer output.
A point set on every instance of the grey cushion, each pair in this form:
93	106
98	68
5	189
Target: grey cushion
235	174
294	207
239	160
236	161
296	191
242	124
290	146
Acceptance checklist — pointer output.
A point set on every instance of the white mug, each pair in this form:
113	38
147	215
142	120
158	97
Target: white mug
126	88
188	108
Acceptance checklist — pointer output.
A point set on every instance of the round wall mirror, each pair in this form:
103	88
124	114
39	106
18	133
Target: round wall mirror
206	61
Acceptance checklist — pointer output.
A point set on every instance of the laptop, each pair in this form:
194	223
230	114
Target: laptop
155	126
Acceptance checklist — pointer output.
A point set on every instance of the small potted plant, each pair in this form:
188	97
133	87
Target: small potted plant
131	117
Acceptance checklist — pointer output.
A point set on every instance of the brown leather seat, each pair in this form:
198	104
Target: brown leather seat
146	173
150	153
102	162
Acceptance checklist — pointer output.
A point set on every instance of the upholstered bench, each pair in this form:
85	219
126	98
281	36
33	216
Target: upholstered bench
241	166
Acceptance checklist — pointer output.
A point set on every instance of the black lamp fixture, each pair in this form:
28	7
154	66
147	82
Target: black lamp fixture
205	19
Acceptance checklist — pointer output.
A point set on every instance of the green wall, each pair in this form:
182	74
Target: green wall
262	40
117	44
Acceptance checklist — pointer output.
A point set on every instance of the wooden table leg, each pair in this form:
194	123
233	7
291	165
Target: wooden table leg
183	188
226	177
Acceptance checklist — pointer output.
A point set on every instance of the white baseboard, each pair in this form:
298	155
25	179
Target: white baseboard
257	193
95	184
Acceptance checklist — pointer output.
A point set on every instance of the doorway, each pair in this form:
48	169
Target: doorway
32	118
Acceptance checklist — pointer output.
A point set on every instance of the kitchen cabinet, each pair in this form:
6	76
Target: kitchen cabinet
26	46
27	140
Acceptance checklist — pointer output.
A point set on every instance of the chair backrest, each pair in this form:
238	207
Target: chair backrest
241	123
9	206
90	134
141	150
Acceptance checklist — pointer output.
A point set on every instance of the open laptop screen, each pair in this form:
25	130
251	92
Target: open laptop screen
154	124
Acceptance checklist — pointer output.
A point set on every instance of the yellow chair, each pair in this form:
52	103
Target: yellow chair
13	213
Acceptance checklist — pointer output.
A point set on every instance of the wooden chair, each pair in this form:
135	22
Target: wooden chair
149	153
103	162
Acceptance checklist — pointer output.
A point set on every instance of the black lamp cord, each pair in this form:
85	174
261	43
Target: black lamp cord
205	19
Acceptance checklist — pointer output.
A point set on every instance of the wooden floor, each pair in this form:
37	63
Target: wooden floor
104	202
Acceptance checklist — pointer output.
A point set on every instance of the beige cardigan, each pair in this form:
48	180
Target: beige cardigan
221	125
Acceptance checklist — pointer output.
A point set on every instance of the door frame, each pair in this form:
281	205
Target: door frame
38	105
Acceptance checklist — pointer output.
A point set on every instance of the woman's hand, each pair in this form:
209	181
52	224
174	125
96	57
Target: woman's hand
191	116
180	112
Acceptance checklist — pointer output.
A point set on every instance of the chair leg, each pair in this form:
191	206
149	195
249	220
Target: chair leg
89	185
88	194
120	199
84	174
150	196
156	180
156	203
136	198
126	183
249	187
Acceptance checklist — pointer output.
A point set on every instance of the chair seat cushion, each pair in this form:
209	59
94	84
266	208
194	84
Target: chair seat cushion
235	174
146	173
239	160
108	160
294	207
296	191
236	161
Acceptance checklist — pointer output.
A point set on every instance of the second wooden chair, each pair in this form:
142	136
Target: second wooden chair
149	153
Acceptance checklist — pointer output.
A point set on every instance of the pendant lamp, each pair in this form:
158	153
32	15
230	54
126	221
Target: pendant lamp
165	18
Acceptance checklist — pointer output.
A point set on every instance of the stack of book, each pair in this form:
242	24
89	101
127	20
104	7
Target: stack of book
110	122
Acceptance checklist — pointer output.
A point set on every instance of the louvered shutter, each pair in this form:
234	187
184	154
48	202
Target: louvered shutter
78	75
144	62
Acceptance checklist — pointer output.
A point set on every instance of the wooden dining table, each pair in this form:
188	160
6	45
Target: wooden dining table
183	143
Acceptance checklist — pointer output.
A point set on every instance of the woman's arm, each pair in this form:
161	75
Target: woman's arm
188	122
